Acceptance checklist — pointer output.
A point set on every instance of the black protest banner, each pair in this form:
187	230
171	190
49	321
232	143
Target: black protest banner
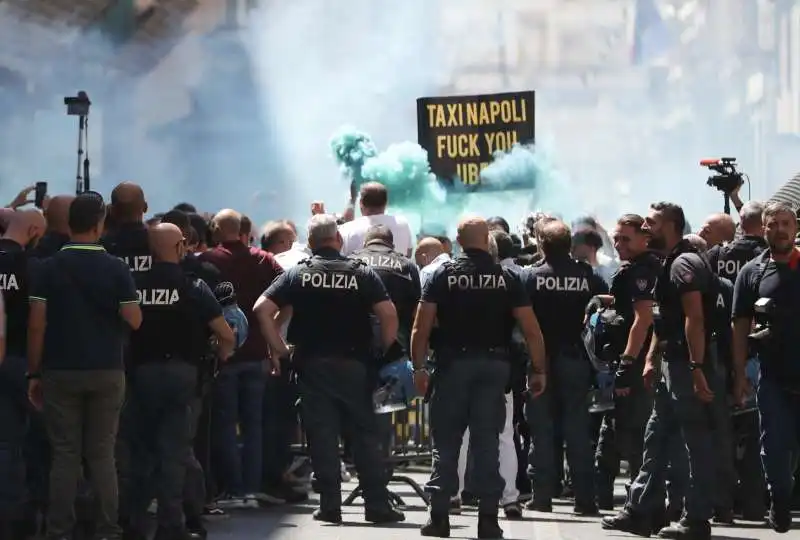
461	133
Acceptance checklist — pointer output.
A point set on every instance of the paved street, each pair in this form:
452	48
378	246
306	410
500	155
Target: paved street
278	524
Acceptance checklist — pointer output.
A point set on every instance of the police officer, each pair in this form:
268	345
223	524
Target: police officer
559	289
727	260
773	278
685	302
632	292
24	228
477	303
128	238
399	275
177	311
331	299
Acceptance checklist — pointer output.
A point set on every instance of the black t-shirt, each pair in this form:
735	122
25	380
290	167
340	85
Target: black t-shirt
400	276
83	287
475	298
684	271
15	271
332	298
176	311
130	243
727	261
559	290
722	320
634	281
206	271
765	278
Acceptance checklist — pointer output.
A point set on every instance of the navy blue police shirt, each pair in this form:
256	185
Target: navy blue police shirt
332	298
84	288
728	260
475	298
15	269
722	321
559	290
130	242
764	278
176	311
684	271
633	282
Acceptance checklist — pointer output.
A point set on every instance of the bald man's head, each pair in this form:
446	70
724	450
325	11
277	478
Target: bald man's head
428	249
25	227
717	229
227	225
555	239
373	198
57	213
697	242
166	242
127	203
473	233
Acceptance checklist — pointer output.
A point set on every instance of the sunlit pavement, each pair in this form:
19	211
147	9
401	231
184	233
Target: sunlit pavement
283	523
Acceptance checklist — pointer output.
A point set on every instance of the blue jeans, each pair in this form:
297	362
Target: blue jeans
780	436
238	401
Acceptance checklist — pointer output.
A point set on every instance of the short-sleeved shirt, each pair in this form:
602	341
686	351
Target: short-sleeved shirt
84	288
354	232
635	281
15	270
475	299
130	242
764	278
332	298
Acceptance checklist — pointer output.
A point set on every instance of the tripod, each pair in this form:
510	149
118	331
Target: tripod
82	182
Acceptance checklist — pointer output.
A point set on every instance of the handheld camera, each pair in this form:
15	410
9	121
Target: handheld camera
78	105
727	179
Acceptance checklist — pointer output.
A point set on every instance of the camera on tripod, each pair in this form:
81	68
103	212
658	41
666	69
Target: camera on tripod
762	331
78	105
727	179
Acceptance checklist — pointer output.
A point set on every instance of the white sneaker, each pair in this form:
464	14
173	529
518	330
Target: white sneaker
346	476
265	498
237	503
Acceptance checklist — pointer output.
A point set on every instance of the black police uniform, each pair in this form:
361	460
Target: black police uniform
728	260
778	391
332	298
400	276
130	243
14	275
622	430
475	298
676	410
559	290
176	311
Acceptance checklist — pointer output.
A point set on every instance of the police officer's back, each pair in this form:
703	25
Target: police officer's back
178	310
399	275
728	260
477	303
128	237
331	298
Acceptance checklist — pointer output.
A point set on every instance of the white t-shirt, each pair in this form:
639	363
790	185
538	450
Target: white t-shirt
290	258
353	232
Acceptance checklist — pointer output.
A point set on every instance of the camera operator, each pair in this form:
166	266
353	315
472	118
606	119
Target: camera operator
685	297
728	260
768	290
83	301
23	228
559	289
331	299
632	295
178	310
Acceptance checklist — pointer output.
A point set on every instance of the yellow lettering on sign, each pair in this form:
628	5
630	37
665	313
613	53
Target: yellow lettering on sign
457	146
506	111
500	141
470	173
436	116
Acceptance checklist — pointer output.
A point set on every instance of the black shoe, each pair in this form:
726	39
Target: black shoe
468	499
629	522
489	528
687	530
328	516
437	526
196	529
132	534
723	516
780	517
674	512
605	503
539	506
660	519
455	506
387	515
585	509
513	511
172	533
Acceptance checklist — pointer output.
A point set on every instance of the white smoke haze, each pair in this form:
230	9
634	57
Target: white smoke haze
242	117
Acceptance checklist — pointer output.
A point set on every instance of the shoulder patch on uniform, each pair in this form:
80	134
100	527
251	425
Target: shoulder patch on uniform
641	284
686	275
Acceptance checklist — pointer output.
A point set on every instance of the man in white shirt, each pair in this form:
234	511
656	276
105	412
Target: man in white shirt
430	255
373	201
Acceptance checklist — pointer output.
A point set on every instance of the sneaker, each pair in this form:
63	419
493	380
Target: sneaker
237	503
212	511
270	499
346	476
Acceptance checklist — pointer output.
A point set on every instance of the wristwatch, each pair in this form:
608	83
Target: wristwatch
627	359
694	365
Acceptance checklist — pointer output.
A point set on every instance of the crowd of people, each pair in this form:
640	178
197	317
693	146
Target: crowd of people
161	359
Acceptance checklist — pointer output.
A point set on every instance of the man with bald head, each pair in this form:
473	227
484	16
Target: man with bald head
729	259
177	312
430	255
477	303
23	228
239	389
127	239
559	289
717	229
57	234
374	198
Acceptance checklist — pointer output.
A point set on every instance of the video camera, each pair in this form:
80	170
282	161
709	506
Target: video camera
727	179
762	331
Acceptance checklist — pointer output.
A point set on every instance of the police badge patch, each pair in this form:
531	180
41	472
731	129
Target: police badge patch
686	275
641	284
